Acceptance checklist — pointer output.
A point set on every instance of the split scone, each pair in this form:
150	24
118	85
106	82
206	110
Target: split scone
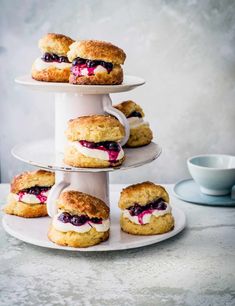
82	220
96	62
140	132
93	142
28	194
145	210
53	65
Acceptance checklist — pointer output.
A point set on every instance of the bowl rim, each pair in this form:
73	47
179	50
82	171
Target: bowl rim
189	161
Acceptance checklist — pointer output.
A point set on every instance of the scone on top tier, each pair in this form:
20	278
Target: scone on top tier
140	132
53	65
28	194
93	142
82	220
145	209
96	63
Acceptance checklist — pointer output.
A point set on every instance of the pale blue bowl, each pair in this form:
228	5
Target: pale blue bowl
214	173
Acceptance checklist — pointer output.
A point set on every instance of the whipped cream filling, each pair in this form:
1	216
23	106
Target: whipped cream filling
31	198
68	227
135	122
145	216
95	153
39	64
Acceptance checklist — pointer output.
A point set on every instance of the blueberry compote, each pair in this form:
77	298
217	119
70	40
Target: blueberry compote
38	191
111	147
52	57
77	220
135	114
80	64
140	211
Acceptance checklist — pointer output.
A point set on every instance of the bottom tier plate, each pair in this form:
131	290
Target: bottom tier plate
34	231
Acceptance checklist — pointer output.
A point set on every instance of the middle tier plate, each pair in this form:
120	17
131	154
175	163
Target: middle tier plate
42	154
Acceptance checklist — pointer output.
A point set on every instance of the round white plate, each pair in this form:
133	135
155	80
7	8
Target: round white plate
41	154
129	83
34	231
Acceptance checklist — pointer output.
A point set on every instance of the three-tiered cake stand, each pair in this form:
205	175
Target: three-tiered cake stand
72	101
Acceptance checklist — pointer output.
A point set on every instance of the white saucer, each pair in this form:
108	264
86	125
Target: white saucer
129	83
187	190
34	231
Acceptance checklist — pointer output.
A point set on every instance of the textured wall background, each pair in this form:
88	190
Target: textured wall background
184	50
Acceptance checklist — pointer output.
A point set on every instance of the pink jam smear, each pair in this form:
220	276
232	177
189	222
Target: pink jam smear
141	215
41	197
113	155
77	70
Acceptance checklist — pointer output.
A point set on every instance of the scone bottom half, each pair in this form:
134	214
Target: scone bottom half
94	141
96	63
145	209
28	194
82	220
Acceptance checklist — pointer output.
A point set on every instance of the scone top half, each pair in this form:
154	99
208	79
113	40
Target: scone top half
32	187
140	202
80	212
93	57
97	137
54	48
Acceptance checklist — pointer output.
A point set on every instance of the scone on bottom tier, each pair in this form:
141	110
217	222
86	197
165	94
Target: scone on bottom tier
53	65
140	132
93	142
28	194
82	220
96	63
145	210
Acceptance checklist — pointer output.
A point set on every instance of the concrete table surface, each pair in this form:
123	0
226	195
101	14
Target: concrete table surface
197	267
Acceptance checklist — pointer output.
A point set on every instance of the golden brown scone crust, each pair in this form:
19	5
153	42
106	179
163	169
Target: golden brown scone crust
74	158
95	128
157	225
51	74
96	50
115	77
55	43
30	179
77	240
77	203
139	136
21	209
128	107
142	194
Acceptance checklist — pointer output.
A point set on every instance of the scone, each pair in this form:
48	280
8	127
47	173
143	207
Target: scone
96	63
140	132
28	194
93	142
145	210
82	220
53	65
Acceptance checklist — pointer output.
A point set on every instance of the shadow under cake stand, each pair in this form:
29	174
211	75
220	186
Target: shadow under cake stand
72	101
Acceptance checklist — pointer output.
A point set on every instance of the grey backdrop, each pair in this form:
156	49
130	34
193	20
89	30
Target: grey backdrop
183	49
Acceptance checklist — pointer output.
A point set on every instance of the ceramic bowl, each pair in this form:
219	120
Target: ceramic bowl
214	173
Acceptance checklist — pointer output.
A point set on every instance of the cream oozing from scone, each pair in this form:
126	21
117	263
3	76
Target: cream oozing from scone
96	153
61	226
40	64
87	67
146	216
31	198
135	122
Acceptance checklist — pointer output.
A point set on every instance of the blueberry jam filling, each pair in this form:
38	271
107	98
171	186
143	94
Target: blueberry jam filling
135	114
137	209
38	191
111	147
77	220
80	64
52	57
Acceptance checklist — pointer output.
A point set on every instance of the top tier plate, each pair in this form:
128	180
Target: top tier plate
129	83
